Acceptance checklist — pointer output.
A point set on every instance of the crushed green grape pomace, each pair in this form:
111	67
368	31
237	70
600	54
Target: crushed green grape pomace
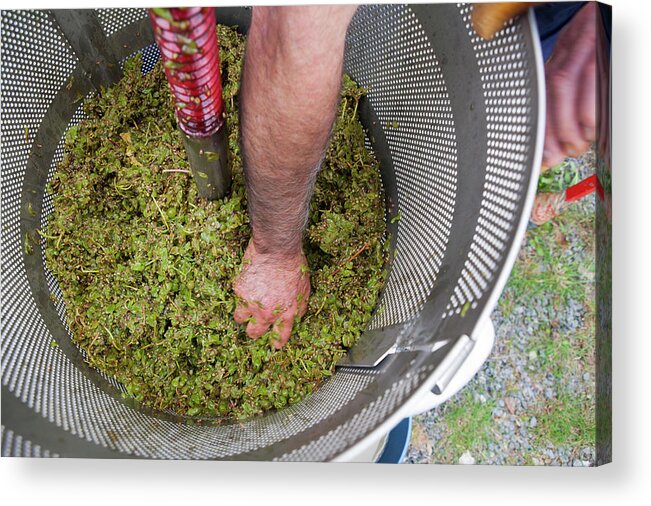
146	267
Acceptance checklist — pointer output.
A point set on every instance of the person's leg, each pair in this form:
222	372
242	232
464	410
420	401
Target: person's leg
290	90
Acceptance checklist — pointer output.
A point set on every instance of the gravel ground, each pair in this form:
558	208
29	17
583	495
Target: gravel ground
498	417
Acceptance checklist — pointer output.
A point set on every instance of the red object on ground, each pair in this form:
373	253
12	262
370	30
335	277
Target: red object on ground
582	188
187	40
549	205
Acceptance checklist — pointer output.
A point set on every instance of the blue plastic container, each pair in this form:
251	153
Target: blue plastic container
397	443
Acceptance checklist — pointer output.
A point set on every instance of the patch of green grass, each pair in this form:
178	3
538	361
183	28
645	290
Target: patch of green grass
506	303
576	219
543	268
468	422
559	177
567	421
554	353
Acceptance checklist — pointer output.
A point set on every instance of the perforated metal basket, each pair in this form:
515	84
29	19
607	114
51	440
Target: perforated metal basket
456	123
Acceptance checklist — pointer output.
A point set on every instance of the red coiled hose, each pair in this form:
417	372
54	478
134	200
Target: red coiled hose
187	40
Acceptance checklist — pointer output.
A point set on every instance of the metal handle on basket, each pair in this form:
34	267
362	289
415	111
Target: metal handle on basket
460	365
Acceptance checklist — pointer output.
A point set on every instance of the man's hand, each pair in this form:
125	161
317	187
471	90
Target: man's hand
570	74
289	95
273	290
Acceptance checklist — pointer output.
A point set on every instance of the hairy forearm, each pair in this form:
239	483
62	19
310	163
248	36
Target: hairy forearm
290	90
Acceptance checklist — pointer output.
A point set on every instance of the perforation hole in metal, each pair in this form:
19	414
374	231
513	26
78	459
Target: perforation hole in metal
44	378
150	56
113	20
18	446
332	443
505	84
36	62
406	89
328	404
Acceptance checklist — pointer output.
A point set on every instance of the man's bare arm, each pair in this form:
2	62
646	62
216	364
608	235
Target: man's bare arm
290	90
